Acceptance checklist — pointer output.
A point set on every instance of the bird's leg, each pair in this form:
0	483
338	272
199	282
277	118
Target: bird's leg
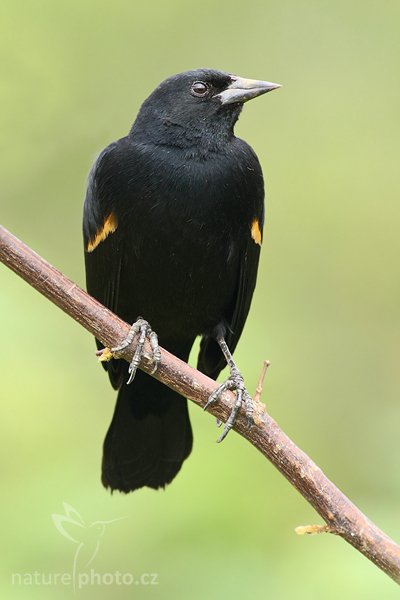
235	383
144	330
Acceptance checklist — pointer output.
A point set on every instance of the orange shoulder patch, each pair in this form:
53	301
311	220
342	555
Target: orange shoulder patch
109	226
256	232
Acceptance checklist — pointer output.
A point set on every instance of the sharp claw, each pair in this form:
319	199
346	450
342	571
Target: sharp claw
131	377
229	384
133	367
209	401
223	436
214	396
156	358
156	364
234	383
144	330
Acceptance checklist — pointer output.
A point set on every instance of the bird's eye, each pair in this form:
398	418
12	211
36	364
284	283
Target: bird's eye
199	88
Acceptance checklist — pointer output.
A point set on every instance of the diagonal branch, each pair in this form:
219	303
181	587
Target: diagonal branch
342	517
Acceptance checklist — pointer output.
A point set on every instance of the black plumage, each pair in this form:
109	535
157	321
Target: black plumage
172	226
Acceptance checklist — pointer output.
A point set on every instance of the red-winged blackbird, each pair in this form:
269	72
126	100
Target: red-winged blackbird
172	224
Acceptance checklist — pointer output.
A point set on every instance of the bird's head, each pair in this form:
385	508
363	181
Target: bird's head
199	106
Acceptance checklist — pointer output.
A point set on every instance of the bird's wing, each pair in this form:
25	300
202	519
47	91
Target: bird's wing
103	242
211	361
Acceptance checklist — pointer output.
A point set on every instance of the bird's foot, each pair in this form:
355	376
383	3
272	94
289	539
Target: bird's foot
143	329
234	383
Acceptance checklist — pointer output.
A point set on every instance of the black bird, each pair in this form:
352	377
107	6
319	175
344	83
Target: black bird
172	225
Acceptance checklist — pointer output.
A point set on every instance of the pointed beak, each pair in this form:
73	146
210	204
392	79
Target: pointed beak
241	90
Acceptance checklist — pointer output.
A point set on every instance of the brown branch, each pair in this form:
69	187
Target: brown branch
341	516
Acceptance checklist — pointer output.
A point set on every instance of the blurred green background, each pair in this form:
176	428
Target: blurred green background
326	310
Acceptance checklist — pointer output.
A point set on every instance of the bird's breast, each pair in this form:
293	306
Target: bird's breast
185	234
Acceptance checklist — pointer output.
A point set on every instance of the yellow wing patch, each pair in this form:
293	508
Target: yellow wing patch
109	226
256	232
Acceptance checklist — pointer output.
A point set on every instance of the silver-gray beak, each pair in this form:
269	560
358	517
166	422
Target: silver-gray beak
241	90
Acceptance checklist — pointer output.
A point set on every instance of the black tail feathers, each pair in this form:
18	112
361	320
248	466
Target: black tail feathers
149	437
